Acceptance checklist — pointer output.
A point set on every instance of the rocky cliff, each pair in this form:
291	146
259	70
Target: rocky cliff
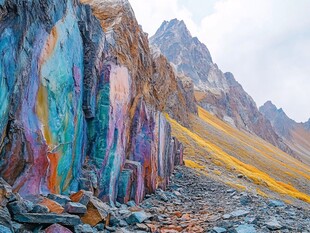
216	91
296	135
82	97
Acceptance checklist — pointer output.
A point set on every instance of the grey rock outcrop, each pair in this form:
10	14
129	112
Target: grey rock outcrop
295	135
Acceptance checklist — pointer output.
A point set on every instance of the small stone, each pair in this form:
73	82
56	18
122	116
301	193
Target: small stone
114	221
100	227
178	194
83	228
75	208
162	196
239	213
226	216
60	199
17	207
185	216
29	205
56	228
135	209
142	227
173	228
230	190
82	197
251	220
37	208
246	228
17	227
111	229
4	229
137	217
276	203
124	212
245	200
240	176
178	214
131	203
6	192
273	224
219	230
117	204
123	223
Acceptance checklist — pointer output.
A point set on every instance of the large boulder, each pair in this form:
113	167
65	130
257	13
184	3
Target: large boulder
97	211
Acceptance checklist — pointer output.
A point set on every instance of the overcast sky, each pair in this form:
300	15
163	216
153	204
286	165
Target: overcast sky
265	43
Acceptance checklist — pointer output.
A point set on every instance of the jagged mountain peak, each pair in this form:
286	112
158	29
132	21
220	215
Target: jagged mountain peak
176	26
278	118
270	110
231	79
270	105
191	57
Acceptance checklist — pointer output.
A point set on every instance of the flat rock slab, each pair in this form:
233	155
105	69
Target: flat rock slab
53	206
4	229
17	207
276	203
64	219
56	228
239	213
137	217
60	199
273	224
37	208
75	208
85	228
246	228
219	230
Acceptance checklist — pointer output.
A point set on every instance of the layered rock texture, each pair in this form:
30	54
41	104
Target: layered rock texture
296	135
82	97
215	91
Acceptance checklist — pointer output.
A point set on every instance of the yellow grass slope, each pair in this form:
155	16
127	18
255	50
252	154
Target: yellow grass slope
211	143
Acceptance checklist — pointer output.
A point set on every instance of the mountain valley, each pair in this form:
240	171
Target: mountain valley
105	129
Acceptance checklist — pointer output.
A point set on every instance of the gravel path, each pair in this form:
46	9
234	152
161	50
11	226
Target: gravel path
195	203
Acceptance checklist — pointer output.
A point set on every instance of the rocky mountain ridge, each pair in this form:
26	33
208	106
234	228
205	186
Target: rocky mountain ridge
296	135
216	91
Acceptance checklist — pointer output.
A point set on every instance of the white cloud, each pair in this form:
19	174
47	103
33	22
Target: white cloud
265	43
151	14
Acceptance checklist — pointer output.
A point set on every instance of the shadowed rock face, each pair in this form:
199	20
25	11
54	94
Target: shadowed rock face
307	125
216	91
280	121
296	135
81	92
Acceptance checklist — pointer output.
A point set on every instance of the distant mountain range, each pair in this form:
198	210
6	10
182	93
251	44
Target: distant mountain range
215	91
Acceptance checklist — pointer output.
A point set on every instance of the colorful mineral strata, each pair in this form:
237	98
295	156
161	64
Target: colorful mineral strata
76	113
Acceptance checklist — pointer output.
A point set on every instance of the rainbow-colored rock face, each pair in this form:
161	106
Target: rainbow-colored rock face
42	89
67	118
